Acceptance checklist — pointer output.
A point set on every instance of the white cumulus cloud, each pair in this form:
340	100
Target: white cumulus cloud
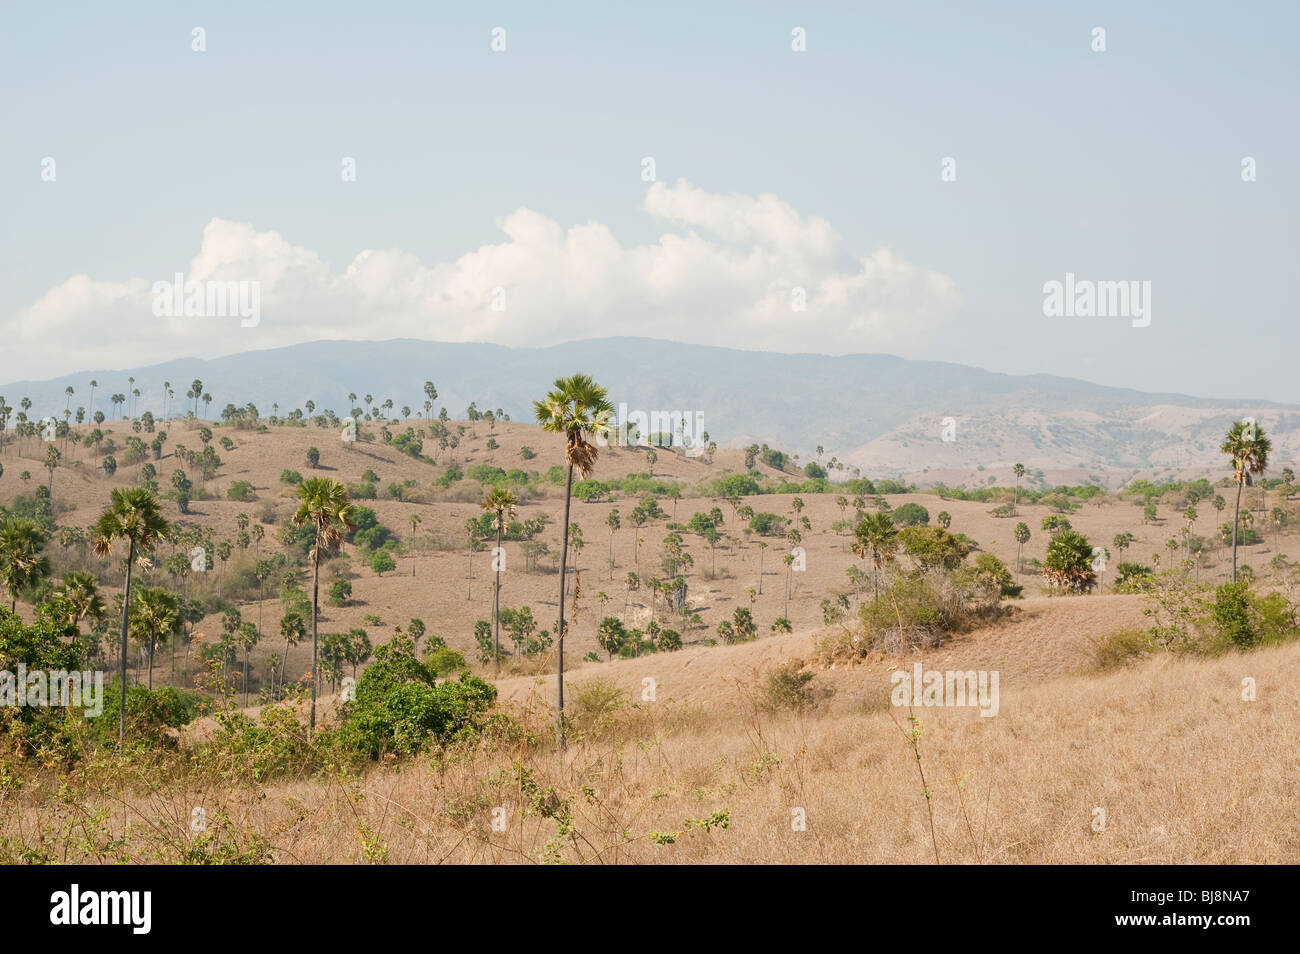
726	271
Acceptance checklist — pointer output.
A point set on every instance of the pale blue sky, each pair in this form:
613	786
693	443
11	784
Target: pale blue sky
1115	165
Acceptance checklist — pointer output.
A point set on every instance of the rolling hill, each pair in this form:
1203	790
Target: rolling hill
924	420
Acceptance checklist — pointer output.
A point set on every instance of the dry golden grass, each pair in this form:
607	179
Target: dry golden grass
1184	768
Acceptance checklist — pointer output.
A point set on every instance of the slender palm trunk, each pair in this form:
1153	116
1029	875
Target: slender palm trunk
315	603
151	648
1236	515
126	604
496	604
559	633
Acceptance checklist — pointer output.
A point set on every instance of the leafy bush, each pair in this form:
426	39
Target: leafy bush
923	608
910	515
768	524
596	702
668	641
340	592
789	687
242	491
443	661
1068	565
1132	577
1233	615
990	575
932	546
400	707
290	477
1124	646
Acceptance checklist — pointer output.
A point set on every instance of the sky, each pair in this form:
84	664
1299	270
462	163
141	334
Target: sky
796	200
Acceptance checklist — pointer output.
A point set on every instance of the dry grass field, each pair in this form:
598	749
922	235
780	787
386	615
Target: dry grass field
1183	768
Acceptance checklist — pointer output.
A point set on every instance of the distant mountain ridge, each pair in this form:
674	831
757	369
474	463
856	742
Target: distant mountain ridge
878	412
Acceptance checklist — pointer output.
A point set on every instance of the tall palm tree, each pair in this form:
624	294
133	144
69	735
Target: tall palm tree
1248	448
415	520
612	521
502	503
293	628
325	503
578	408
154	616
1022	537
21	562
875	536
134	515
52	458
1019	471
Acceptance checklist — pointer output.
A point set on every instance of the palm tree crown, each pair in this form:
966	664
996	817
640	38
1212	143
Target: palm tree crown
21	562
577	408
1246	444
134	514
324	502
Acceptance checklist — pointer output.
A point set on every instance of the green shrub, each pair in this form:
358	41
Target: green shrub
1232	614
768	524
400	707
382	562
668	641
788	687
1124	646
242	491
443	661
340	592
931	547
923	608
910	515
595	703
1069	563
1133	577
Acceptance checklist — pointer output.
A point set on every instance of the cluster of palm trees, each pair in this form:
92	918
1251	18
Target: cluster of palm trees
576	409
